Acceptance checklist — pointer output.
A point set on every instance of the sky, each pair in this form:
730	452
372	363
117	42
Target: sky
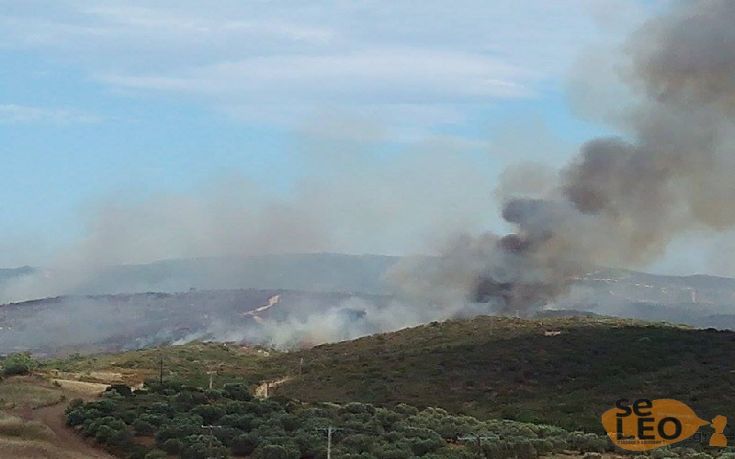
388	117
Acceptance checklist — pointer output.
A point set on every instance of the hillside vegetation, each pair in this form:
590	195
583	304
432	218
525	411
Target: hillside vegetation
559	371
193	423
513	368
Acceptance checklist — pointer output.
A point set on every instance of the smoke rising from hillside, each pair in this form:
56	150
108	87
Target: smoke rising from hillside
619	202
622	199
346	202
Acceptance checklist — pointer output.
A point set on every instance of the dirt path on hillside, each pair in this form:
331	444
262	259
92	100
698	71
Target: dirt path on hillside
69	444
265	390
66	438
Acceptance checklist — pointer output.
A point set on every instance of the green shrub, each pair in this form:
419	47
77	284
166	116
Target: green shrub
245	444
214	394
588	442
455	453
188	399
76	417
74	404
422	446
310	443
156	454
209	413
226	435
203	447
18	364
121	389
239	391
236	407
180	427
272	429
143	427
275	452
245	422
358	443
121	439
172	446
103	433
404	409
357	408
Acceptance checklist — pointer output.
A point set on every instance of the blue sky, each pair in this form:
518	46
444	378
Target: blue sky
109	105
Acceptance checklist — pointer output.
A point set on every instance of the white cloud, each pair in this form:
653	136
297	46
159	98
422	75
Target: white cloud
193	26
390	75
12	113
280	58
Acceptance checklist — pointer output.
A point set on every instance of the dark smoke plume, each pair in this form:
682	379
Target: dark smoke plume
622	200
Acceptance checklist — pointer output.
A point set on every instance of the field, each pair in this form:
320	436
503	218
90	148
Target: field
193	363
21	392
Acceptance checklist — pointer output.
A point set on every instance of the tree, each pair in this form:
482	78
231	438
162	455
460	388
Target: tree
237	391
122	389
209	413
142	427
18	364
275	452
244	444
203	447
172	446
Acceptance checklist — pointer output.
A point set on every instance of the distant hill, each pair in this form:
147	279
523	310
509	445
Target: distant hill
7	274
110	323
129	307
697	300
330	272
563	371
320	272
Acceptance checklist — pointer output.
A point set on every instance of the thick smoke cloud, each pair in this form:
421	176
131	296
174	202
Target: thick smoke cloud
347	201
621	200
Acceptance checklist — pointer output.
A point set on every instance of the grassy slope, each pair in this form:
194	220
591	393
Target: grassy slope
491	367
486	367
189	363
32	423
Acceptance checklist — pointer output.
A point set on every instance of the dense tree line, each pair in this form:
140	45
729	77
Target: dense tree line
193	423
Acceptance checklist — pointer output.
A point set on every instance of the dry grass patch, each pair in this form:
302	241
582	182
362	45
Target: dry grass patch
19	392
33	449
82	387
13	426
28	439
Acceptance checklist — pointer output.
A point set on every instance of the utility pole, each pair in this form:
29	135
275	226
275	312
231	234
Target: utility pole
330	430
211	432
478	441
329	442
161	368
301	366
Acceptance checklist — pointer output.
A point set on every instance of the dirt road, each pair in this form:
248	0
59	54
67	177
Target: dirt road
264	390
66	438
62	442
